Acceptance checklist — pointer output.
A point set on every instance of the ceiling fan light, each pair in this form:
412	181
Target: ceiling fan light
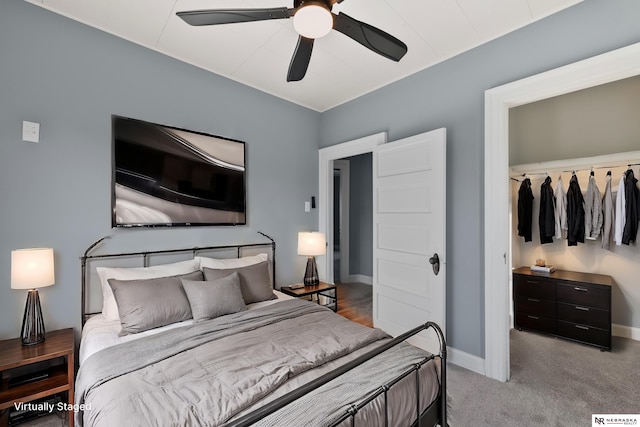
313	20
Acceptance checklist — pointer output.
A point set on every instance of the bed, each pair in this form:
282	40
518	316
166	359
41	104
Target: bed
244	354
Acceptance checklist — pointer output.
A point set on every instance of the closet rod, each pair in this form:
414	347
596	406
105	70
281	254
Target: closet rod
552	170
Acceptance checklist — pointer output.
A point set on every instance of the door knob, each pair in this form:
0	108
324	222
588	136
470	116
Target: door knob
435	263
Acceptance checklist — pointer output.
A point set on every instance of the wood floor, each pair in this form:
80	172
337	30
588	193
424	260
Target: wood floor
355	302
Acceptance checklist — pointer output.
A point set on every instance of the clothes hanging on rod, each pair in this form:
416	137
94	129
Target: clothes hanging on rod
560	212
546	215
525	209
608	212
632	198
575	213
592	210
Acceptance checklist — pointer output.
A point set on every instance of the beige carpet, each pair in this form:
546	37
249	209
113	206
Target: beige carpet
554	382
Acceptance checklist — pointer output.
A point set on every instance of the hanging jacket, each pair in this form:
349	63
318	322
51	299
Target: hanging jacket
560	213
631	197
608	214
525	209
621	213
546	216
592	210
575	213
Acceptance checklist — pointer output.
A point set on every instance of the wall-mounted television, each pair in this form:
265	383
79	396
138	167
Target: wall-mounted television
167	176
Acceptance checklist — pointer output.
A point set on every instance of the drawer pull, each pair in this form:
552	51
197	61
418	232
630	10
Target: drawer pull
577	288
534	317
531	282
533	299
582	308
582	327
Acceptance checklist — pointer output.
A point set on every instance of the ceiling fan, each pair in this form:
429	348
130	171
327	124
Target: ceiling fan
312	19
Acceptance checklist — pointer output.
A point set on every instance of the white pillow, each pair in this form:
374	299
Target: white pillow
109	306
223	264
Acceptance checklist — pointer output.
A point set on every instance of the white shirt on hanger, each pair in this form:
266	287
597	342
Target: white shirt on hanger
621	216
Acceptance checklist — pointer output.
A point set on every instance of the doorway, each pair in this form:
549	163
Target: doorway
327	158
605	68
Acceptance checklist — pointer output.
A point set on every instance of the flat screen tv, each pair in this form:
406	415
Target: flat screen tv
166	176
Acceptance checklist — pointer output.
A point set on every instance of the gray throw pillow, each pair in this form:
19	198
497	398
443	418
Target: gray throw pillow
211	299
255	282
150	303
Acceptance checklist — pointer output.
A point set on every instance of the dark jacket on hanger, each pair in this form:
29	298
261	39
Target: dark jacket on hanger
575	213
525	209
546	219
631	212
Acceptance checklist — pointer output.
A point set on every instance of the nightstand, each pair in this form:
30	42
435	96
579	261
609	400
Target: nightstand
327	290
59	377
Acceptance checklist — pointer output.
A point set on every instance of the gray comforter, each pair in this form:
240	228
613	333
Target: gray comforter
207	373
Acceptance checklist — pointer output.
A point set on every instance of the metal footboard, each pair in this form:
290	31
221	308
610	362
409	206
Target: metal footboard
435	414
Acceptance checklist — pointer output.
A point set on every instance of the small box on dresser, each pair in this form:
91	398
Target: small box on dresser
567	304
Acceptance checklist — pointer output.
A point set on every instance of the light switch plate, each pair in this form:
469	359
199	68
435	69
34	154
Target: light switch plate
30	131
307	206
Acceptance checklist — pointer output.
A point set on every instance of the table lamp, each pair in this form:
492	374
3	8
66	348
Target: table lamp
311	244
32	269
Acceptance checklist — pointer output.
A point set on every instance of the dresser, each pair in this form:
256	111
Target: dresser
566	304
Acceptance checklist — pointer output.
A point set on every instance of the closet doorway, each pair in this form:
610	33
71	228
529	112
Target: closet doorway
616	65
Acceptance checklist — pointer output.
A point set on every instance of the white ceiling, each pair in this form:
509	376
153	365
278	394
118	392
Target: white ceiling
258	53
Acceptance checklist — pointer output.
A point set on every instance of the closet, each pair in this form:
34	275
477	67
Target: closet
587	254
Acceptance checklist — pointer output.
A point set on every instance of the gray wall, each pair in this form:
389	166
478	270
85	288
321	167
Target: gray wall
590	122
361	215
71	78
451	95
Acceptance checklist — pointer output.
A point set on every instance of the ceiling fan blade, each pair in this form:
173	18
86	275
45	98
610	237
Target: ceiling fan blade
300	60
370	37
231	16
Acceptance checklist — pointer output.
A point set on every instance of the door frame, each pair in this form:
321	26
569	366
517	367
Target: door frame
345	179
605	68
326	157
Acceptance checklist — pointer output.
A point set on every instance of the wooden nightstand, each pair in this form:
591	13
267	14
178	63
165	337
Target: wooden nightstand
327	290
13	355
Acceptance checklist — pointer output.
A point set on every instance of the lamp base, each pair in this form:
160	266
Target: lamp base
32	323
311	273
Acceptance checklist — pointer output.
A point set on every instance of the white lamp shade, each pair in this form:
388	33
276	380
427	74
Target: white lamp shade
313	20
32	268
311	243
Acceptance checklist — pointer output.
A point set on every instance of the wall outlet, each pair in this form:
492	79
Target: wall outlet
307	206
30	131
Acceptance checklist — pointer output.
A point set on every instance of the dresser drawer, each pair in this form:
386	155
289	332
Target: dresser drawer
531	286
585	295
537	306
583	333
536	323
588	316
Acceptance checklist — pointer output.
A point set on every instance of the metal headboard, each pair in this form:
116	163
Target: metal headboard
145	256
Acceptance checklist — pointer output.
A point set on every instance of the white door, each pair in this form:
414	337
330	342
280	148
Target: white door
408	230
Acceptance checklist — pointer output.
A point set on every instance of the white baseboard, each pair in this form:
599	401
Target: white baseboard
625	332
360	278
466	360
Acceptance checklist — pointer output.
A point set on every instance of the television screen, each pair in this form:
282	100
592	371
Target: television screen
166	176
